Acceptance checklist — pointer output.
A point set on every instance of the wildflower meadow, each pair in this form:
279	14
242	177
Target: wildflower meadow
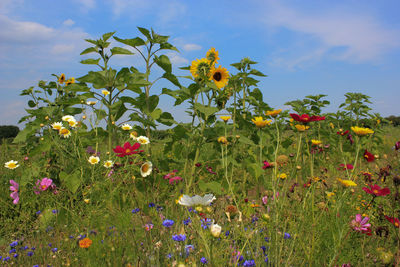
102	176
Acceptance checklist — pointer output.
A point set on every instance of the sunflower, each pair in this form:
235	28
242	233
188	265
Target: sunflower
361	131
220	76
70	81
61	79
273	113
146	169
225	118
64	132
12	164
222	140
201	67
93	160
260	123
212	56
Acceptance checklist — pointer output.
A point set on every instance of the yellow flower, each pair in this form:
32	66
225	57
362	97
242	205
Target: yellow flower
86	200
93	160
347	183
105	92
64	132
282	176
70	81
331	125
212	55
12	164
301	127
126	127
68	118
361	131
222	140
260	123
273	113
57	126
61	79
179	198
73	123
108	164
329	194
133	135
225	118
220	76
201	67
316	142
215	230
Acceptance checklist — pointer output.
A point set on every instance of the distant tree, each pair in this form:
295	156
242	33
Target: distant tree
394	120
8	131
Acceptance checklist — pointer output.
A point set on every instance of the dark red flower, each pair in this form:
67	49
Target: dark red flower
369	156
376	190
345	167
267	165
393	221
305	118
127	149
350	137
342	133
367	232
397	145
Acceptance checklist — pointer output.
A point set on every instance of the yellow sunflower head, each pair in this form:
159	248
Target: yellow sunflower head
273	113
201	68
260	123
220	76
212	56
61	79
361	131
70	81
225	118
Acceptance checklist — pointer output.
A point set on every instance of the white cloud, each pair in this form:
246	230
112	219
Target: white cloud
62	49
338	33
191	47
87	4
68	22
176	59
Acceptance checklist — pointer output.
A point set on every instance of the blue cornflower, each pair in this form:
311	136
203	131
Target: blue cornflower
286	236
266	259
189	248
205	223
50	244
6	259
54	249
167	223
187	221
227	233
25	248
249	263
159	208
1	257
152	205
38	212
169	255
135	210
263	249
30	253
80	237
179	237
15	255
12	250
36	265
71	237
33	248
13	244
266	239
54	211
254	219
203	260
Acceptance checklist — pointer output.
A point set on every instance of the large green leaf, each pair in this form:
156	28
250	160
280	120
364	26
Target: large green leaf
89	50
90	61
131	42
120	51
71	181
145	32
207	111
164	62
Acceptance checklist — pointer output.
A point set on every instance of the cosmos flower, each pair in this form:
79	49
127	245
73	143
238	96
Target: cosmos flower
94	160
267	165
14	188
369	157
305	118
394	221
196	200
43	185
376	190
360	224
127	149
143	140
126	127
108	164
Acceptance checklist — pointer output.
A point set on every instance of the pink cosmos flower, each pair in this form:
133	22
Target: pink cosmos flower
360	224
172	178
43	185
14	188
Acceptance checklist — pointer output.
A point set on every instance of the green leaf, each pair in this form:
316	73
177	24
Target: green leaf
168	46
72	181
172	78
156	114
92	41
76	87
120	51
90	61
24	135
100	114
257	73
166	119
207	111
145	32
164	62
131	42
31	104
88	50
153	102
107	36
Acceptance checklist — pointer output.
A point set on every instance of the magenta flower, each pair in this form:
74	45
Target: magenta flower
360	224
43	185
14	188
172	178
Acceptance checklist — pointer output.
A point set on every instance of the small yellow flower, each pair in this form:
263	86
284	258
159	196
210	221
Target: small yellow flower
70	81
347	183
260	123
57	126
282	176
179	198
86	200
273	113
12	164
329	194
225	118
331	125
61	79
301	127
105	92
133	135
126	127
361	131
64	132
93	160
108	163
222	140
73	123
316	142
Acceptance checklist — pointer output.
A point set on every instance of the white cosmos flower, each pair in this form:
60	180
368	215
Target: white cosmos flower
196	200
93	160
215	229
143	140
108	163
126	127
146	168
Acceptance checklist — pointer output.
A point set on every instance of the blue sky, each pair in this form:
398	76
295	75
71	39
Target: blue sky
305	47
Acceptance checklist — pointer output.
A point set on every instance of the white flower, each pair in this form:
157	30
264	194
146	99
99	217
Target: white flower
108	163
64	132
196	200
12	164
93	160
146	168
57	126
143	140
91	103
215	229
73	123
68	118
126	127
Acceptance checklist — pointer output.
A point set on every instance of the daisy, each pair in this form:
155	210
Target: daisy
126	127
64	132
91	103
57	126
108	164
73	123
93	160
143	140
146	169
68	118
196	200
12	164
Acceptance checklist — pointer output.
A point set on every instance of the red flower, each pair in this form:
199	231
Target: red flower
267	165
367	232
376	190
345	167
127	149
343	133
305	118
368	156
397	145
393	221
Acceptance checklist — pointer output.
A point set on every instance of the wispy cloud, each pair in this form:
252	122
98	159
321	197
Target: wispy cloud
337	33
191	47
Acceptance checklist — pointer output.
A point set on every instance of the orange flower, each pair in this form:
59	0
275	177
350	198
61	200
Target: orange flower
85	243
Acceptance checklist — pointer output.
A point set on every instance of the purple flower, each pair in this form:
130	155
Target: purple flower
360	224
249	263
286	236
203	260
30	253
43	185
179	237
168	223
14	188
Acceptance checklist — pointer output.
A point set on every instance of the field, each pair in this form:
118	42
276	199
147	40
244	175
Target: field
242	184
